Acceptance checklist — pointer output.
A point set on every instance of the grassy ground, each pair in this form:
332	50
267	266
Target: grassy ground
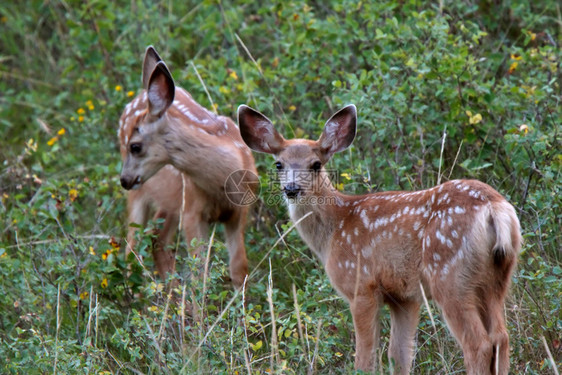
485	74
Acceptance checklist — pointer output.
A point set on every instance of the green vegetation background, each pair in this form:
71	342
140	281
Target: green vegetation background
486	73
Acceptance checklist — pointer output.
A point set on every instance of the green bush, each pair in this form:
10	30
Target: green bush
485	75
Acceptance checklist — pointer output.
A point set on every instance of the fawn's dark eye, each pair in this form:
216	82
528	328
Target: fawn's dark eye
279	166
135	148
316	166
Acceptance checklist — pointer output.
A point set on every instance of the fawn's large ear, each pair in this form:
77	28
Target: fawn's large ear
161	89
151	58
339	132
257	131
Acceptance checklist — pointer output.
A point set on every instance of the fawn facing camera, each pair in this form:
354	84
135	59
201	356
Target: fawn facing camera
458	241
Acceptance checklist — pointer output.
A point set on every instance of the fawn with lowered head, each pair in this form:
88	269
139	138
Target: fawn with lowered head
458	240
164	126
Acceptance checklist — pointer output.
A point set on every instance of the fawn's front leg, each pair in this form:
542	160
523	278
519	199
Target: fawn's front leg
137	210
165	259
234	231
365	311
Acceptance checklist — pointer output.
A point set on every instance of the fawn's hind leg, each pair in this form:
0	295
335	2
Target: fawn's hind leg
463	317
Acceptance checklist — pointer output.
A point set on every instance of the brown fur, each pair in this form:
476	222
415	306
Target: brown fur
173	130
380	248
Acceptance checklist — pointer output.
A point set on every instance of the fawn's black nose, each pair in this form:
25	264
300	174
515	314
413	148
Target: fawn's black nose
125	183
292	190
129	183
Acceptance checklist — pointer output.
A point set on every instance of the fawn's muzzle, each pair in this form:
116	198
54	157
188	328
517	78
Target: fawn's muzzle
292	190
130	183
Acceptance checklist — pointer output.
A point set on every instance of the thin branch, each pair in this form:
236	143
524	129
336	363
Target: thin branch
455	161
274	348
312	368
550	357
205	88
441	155
57	333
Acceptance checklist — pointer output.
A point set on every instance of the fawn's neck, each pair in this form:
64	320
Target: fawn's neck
207	158
324	209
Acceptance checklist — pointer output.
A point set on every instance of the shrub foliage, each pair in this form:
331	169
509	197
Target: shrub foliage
455	89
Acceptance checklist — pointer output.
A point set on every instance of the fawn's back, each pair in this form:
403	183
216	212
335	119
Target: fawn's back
395	240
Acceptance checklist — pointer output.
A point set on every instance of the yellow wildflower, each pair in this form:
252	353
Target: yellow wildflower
524	129
84	295
104	283
80	118
532	35
61	131
473	119
153	308
90	105
292	108
130	93
73	194
118	88
107	253
114	244
233	75
91	250
512	67
515	57
80	111
347	176
224	90
52	141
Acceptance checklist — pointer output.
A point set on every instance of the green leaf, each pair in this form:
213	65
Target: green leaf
257	346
